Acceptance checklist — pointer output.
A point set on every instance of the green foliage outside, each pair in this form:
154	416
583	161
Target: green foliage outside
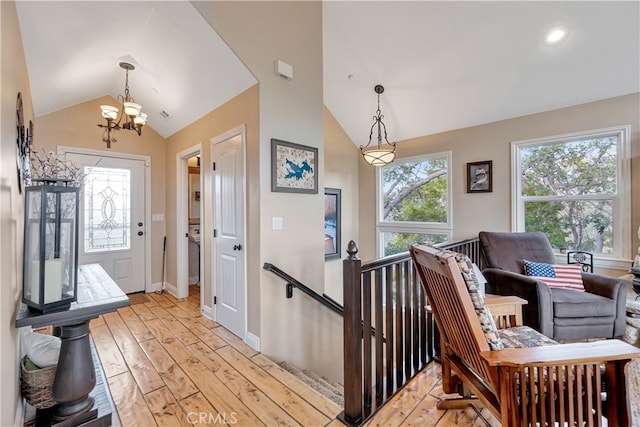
567	188
414	192
574	172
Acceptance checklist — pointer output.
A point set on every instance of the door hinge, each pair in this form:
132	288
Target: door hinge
214	165
215	233
215	300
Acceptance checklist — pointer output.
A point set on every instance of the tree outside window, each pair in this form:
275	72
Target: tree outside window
414	203
570	188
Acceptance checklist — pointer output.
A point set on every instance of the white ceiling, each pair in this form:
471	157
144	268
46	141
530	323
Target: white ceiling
444	65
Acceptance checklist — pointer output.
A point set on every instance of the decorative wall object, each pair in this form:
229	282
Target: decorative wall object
24	139
480	177
332	223
293	168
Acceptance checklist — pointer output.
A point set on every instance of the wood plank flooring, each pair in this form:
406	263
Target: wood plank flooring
167	365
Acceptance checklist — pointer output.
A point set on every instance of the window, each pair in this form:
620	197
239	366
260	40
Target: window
576	189
107	209
414	202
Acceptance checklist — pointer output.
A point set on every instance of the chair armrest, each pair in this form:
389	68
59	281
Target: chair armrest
538	312
605	286
562	354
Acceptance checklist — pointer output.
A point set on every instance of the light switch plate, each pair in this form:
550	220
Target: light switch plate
157	217
276	223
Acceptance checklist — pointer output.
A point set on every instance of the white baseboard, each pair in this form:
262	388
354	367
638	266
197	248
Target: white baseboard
252	341
18	419
193	280
207	312
171	288
155	287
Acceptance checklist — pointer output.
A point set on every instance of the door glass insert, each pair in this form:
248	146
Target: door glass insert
107	209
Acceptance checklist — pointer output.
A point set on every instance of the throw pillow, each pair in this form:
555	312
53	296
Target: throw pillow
567	276
484	315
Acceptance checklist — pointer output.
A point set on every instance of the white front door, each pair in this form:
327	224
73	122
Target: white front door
229	241
112	220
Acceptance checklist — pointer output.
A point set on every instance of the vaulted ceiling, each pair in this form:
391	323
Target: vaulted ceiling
445	65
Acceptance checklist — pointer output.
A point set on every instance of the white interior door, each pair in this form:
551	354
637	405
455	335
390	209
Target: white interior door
112	224
229	240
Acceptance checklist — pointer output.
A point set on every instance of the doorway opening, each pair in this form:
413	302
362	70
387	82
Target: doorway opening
189	221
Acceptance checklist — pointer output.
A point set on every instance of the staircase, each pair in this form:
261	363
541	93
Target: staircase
329	389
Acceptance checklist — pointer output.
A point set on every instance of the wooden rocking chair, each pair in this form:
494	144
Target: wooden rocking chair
551	384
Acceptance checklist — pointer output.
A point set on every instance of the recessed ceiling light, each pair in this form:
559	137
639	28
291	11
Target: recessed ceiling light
555	35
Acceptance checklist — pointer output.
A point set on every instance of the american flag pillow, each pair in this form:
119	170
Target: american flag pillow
567	276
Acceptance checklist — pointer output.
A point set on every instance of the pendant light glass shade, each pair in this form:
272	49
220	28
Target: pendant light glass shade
379	156
109	112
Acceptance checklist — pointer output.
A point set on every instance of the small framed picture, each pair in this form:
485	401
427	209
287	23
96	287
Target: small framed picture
293	167
332	223
480	177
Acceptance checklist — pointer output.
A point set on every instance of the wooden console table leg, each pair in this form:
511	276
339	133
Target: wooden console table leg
75	376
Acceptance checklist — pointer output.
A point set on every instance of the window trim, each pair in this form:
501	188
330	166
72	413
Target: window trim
621	201
445	228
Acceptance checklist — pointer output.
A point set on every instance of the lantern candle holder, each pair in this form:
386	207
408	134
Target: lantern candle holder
50	265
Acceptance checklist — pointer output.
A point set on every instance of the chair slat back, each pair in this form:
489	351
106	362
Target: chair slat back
452	307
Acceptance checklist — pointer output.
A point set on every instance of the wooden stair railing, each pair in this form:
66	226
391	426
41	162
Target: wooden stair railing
385	295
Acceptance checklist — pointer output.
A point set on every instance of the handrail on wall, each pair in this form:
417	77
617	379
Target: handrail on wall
294	283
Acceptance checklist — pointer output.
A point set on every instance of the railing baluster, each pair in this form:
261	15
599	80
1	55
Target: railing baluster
379	333
415	313
389	329
366	347
399	329
407	318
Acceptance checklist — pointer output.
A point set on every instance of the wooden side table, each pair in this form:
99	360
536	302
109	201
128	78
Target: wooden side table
75	374
506	310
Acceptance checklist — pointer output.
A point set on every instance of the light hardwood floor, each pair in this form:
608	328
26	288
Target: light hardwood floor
167	365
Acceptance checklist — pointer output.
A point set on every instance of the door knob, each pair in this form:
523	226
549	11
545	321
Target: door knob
140	233
139	224
237	247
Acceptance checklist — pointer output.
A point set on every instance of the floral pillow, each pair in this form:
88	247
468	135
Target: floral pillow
568	276
484	315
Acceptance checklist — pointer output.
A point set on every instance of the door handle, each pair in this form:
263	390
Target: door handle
140	233
237	247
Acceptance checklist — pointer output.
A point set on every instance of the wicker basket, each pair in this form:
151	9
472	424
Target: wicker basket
37	386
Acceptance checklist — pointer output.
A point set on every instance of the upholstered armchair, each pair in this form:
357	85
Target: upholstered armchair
559	313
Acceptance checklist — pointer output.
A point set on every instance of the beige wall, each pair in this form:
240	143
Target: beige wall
298	330
75	126
492	211
242	110
341	158
14	79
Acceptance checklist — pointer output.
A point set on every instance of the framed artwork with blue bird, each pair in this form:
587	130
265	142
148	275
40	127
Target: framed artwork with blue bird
293	167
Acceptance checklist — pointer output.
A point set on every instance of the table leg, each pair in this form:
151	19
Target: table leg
75	376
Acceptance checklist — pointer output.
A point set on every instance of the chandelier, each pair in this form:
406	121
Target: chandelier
131	116
379	154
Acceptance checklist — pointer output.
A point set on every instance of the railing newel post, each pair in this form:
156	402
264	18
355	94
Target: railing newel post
352	301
